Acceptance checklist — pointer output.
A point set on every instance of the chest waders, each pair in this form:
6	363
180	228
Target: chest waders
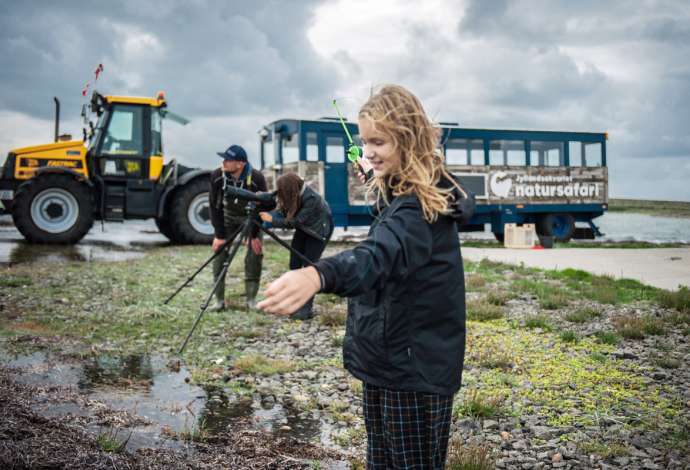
234	214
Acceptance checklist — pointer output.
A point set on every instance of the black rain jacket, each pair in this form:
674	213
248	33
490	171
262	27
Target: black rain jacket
406	308
313	217
255	183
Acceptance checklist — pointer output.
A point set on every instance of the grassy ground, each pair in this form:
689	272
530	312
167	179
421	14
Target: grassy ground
520	360
661	208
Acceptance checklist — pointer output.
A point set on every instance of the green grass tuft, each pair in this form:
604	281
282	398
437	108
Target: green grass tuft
332	317
15	281
667	362
603	449
258	364
498	297
474	281
607	337
469	456
552	296
598	357
108	441
569	337
337	341
583	315
496	359
481	310
477	405
538	321
678	300
628	326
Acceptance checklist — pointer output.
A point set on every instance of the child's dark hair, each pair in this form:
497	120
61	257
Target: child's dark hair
289	188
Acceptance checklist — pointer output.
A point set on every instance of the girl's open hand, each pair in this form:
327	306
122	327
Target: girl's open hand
290	291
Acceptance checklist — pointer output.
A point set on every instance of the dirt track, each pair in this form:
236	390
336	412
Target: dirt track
660	267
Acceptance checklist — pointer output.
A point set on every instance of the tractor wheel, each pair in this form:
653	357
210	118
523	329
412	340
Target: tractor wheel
190	219
163	224
53	208
559	226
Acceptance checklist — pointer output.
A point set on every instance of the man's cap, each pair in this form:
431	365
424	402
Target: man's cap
234	153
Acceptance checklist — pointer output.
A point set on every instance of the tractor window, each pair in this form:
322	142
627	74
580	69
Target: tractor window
124	133
156	129
98	130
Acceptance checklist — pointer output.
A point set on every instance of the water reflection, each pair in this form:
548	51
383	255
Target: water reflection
144	386
128	371
111	242
221	412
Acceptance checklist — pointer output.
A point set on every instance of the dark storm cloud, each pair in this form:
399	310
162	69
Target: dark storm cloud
211	58
649	103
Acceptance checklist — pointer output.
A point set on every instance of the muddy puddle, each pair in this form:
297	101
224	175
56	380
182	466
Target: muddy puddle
141	400
108	242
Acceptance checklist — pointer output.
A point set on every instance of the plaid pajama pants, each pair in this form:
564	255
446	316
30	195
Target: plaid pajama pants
406	430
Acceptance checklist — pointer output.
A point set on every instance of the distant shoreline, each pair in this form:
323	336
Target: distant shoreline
660	208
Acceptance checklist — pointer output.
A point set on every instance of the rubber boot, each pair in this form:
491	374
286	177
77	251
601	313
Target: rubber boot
251	288
219	303
306	312
219	293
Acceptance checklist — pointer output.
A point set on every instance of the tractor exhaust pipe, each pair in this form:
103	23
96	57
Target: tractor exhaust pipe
57	117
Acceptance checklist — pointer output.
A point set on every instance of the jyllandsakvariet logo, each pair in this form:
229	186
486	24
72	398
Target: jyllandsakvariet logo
501	183
541	186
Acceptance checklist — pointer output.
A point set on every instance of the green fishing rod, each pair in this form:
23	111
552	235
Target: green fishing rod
355	153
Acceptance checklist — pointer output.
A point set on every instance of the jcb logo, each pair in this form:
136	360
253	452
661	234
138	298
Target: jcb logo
65	163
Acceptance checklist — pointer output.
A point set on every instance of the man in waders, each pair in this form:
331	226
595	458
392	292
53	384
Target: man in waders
228	214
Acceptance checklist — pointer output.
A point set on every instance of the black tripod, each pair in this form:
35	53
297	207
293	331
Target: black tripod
233	244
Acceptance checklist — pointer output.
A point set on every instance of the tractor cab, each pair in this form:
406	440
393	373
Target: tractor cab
126	140
125	153
55	191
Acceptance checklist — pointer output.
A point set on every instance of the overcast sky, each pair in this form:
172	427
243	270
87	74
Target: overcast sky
618	66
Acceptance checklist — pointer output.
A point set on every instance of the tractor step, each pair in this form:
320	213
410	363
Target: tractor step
114	204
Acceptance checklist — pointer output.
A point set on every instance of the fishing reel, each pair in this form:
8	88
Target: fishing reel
355	153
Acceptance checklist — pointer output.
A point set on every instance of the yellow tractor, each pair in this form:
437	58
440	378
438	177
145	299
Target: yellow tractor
56	191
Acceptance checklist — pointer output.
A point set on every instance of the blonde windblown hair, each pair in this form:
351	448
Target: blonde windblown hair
396	112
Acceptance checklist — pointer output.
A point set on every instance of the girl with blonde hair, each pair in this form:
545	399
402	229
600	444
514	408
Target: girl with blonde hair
405	332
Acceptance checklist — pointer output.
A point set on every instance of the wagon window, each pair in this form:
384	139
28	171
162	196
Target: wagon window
507	152
290	147
546	153
464	152
312	147
335	151
593	155
576	153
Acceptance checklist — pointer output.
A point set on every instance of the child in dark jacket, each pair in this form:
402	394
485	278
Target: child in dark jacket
405	331
303	209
